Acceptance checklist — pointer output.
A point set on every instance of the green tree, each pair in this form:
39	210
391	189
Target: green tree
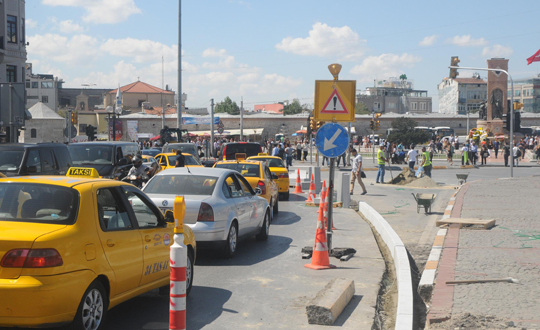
293	108
403	77
405	133
227	106
361	109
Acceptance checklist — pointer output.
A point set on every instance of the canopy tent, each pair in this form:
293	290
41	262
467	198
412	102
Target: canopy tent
302	131
247	131
155	138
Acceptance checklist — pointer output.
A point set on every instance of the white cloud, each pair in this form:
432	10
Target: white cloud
428	41
123	73
80	49
69	27
326	41
30	23
497	51
466	41
384	66
212	52
140	50
100	11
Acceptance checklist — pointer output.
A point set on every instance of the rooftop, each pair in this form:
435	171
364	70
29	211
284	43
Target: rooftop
140	88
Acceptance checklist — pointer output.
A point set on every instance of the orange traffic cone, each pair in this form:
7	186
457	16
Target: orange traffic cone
319	257
323	195
312	190
326	206
298	189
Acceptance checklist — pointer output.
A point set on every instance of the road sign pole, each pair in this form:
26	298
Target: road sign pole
330	204
69	126
348	148
310	149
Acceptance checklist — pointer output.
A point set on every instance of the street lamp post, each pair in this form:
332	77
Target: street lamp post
510	111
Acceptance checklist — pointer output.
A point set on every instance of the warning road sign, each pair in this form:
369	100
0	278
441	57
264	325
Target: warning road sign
335	100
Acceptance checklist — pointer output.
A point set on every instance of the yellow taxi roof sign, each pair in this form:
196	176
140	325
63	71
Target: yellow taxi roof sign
240	156
82	172
262	154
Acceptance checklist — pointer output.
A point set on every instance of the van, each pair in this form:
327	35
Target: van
110	159
19	159
228	151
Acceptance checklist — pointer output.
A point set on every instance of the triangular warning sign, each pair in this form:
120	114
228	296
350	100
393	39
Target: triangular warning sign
334	104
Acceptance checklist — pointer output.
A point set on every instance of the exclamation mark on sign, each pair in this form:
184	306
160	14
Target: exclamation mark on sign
335	101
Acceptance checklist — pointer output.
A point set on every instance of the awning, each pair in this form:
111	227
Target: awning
247	131
302	131
155	138
144	135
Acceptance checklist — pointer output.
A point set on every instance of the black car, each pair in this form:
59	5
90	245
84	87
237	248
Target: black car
228	151
34	159
110	159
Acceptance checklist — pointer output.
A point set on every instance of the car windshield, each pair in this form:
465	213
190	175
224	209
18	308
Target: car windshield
270	162
182	184
40	203
247	170
189	148
11	160
151	152
189	160
91	154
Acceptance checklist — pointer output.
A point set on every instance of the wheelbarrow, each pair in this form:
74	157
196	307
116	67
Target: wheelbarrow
425	201
462	178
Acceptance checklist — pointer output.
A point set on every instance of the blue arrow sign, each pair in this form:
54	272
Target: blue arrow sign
332	140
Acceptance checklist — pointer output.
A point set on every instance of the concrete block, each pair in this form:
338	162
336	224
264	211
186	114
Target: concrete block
318	182
326	307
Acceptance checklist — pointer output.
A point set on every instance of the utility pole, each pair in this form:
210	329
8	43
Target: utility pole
242	119
179	108
373	136
212	126
162	87
11	124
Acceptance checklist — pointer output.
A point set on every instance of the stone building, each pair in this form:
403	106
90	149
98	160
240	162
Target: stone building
71	97
45	126
527	91
42	88
137	93
459	95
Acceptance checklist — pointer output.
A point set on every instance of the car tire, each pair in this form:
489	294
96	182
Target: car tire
231	242
265	229
190	268
286	196
276	206
92	308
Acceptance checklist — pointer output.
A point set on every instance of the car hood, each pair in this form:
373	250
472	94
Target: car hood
193	203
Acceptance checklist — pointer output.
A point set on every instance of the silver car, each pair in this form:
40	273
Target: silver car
221	206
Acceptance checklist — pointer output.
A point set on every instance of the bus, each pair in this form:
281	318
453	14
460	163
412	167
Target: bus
442	131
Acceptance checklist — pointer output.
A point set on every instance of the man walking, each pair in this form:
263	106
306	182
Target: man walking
411	158
496	148
381	160
356	172
506	154
426	161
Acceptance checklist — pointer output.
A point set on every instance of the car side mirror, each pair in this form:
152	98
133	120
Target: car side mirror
169	216
258	191
274	176
122	161
31	169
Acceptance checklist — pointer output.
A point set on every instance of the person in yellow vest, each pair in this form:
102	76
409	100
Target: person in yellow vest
426	161
381	160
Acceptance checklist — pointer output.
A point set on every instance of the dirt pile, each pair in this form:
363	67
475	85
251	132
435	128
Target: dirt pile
425	181
405	177
469	321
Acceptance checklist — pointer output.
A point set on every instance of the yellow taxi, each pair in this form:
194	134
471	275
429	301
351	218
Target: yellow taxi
277	167
258	175
168	160
73	247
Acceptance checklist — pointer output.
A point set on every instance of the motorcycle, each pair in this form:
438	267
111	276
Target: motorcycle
138	181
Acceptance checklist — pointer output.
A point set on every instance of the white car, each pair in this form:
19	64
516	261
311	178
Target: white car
221	206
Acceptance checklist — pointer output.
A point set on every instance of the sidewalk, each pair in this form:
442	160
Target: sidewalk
511	249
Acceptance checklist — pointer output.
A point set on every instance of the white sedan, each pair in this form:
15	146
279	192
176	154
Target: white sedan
221	206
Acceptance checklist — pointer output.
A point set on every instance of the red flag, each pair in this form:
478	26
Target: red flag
534	58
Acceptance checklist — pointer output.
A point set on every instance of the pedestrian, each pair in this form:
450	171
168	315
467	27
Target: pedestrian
305	147
299	151
450	153
356	172
180	159
324	158
473	152
496	148
516	153
465	155
484	154
281	152
381	160
537	150
289	152
275	151
411	158
506	153
426	161
342	156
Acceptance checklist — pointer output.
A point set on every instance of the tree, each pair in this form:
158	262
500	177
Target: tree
293	108
405	133
227	106
361	109
403	77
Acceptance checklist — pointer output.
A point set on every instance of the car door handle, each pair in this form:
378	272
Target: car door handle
110	242
147	238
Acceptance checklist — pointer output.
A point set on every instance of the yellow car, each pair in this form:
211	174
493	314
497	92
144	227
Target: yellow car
168	160
73	247
277	167
258	175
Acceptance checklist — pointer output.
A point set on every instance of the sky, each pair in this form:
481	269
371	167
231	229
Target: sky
267	51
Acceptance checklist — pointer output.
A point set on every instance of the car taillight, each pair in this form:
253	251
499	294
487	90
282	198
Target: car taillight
206	213
38	258
261	185
224	153
283	176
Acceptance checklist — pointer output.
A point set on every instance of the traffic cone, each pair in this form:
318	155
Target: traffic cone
312	190
298	189
326	206
323	195
319	257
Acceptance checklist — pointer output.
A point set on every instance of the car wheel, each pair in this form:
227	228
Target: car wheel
276	206
286	196
265	229
92	309
189	271
232	241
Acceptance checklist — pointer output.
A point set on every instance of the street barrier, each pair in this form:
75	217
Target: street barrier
178	255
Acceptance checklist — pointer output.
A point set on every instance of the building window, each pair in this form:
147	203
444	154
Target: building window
33	133
45	99
518	92
11	73
422	105
28	84
414	106
23	30
32	97
46	84
392	105
12	29
35	84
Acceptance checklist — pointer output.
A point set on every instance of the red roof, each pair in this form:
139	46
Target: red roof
470	81
141	88
273	108
159	110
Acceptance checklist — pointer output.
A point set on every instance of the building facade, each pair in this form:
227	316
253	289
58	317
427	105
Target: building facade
459	95
137	93
396	96
527	91
42	88
67	97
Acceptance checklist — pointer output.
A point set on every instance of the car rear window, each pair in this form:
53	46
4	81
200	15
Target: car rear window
250	149
39	203
11	160
181	184
188	148
189	160
271	162
247	170
91	154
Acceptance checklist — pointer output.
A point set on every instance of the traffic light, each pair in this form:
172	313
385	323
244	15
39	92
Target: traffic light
517	105
378	114
506	121
517	120
312	125
74	118
454	62
377	125
319	124
90	132
372	124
